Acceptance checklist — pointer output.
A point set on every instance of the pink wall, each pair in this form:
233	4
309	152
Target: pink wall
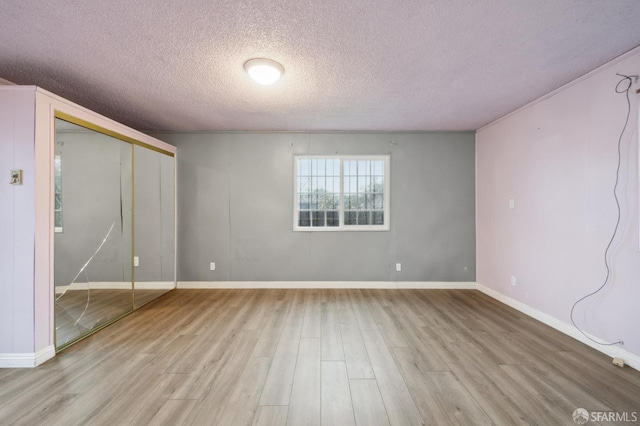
557	159
17	223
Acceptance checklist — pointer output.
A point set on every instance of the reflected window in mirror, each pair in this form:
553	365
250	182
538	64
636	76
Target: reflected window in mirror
57	164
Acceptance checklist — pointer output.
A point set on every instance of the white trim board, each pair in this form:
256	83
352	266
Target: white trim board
4	82
328	284
27	360
630	359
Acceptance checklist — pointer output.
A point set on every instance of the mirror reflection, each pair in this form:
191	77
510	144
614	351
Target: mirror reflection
114	221
93	230
154	224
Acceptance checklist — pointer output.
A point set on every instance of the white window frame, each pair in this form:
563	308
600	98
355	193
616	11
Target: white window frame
342	227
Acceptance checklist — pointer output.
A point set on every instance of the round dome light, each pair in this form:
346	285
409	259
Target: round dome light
264	71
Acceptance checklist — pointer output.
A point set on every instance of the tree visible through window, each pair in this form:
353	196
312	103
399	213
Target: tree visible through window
341	193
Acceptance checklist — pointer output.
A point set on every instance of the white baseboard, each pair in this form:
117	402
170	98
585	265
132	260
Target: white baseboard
630	359
327	284
27	360
155	285
139	285
435	285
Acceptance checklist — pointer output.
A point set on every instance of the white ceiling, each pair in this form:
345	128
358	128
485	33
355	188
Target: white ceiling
377	65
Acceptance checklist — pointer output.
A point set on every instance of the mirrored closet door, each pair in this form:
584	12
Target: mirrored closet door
114	227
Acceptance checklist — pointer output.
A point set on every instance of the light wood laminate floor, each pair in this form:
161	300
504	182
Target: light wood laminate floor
320	357
80	311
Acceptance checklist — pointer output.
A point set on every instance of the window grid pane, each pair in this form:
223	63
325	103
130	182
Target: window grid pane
322	192
318	192
364	192
304	219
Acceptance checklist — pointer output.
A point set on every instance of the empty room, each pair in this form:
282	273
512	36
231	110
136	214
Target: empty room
320	213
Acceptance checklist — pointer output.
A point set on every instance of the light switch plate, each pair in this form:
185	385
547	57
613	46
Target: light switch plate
16	177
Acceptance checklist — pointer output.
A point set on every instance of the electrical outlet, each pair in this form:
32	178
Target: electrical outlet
512	204
212	266
513	280
136	261
398	267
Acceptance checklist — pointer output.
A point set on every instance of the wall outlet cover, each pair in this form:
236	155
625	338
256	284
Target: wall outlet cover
618	361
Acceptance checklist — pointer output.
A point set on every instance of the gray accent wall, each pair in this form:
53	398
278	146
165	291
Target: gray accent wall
235	208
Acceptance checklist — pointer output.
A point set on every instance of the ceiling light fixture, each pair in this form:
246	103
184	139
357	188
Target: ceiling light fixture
264	71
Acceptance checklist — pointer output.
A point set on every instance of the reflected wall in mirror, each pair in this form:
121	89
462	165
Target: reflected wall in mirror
93	244
154	189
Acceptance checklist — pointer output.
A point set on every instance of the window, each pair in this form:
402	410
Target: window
348	193
57	191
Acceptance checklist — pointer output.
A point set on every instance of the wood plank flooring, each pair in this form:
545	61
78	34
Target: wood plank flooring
80	311
320	357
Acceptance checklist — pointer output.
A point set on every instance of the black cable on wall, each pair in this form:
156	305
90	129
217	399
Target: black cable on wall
623	86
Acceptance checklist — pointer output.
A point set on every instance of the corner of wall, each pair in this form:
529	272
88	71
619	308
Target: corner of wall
4	82
27	360
632	360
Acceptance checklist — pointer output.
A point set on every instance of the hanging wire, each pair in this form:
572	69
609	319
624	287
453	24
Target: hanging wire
620	88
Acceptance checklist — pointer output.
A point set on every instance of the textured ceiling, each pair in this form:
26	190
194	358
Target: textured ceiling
389	65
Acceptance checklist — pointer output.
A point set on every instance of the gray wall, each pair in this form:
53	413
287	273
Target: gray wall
96	193
235	195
